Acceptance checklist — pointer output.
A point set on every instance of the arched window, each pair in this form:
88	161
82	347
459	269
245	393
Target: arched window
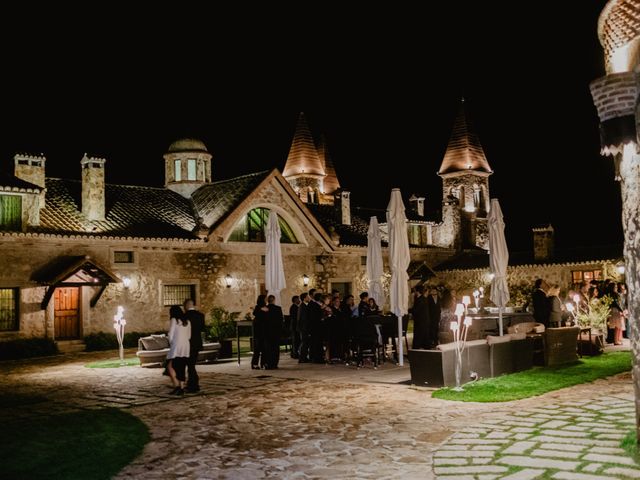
476	196
251	228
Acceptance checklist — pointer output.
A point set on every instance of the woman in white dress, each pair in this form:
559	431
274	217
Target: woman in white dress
179	335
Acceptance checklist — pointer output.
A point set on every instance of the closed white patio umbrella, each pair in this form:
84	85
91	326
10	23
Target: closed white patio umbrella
399	259
374	262
498	259
274	269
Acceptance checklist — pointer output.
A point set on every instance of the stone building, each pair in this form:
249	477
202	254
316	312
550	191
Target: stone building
73	250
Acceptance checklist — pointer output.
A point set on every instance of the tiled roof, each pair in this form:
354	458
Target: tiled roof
354	234
464	151
10	182
303	156
478	258
330	182
131	211
214	201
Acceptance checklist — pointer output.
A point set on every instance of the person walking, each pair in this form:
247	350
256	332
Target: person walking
196	319
179	349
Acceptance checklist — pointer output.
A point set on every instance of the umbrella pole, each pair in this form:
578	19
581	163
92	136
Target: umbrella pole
400	345
500	320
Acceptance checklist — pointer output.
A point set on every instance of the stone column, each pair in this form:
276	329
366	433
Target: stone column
630	189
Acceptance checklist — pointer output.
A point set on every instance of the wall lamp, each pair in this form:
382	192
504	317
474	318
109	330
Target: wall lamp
620	268
227	280
305	280
126	281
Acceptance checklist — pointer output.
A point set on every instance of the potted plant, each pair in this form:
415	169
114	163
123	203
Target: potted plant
594	315
222	329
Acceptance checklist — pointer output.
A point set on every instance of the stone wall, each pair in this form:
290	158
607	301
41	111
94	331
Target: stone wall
465	281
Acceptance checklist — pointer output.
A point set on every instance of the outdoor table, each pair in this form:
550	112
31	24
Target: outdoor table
242	324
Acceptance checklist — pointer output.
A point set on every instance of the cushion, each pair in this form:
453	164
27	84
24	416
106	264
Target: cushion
445	347
539	328
518	336
150	343
481	341
492	339
161	340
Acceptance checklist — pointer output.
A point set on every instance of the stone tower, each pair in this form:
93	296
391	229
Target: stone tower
187	166
465	175
304	170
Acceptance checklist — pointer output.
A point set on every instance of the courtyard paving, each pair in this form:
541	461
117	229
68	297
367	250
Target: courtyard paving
330	421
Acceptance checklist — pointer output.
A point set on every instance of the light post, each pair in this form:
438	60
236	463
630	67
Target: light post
459	329
466	300
476	297
118	324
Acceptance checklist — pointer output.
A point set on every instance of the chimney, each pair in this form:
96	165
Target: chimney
342	205
30	168
417	205
543	243
93	187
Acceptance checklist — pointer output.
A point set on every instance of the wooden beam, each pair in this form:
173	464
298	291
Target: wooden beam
47	296
97	296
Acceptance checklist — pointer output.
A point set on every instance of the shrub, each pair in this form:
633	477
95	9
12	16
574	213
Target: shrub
27	348
109	341
223	324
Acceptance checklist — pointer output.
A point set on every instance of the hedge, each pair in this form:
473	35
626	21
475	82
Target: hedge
27	348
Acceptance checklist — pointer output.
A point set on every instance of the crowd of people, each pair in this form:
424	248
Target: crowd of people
321	326
552	311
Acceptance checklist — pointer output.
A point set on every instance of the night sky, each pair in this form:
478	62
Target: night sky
383	85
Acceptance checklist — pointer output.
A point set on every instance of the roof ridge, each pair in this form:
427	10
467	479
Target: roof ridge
246	175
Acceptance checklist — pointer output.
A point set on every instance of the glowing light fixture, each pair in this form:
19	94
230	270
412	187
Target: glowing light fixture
620	269
305	280
126	281
619	59
227	280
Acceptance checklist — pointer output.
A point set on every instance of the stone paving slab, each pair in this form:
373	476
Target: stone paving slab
250	425
570	448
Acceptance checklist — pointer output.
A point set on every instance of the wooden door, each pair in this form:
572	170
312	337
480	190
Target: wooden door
66	313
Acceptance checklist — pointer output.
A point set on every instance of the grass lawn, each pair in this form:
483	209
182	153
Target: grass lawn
78	445
539	380
114	363
630	444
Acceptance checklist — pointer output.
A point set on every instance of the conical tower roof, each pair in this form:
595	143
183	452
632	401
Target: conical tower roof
464	151
303	157
330	182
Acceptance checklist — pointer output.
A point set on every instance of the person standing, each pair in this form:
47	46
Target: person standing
554	319
196	319
303	327
540	303
293	324
179	350
434	306
274	330
421	324
260	312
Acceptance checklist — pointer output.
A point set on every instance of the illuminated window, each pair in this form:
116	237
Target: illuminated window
586	275
251	228
10	212
191	169
177	166
177	294
8	309
417	235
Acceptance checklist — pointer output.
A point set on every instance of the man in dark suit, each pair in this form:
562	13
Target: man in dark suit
274	330
314	322
293	326
435	311
303	328
420	314
196	319
540	303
